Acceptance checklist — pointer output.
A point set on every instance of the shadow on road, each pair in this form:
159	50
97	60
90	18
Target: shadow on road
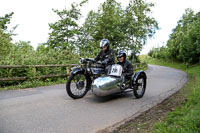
95	99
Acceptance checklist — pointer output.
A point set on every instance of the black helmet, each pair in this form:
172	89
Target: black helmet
104	42
121	53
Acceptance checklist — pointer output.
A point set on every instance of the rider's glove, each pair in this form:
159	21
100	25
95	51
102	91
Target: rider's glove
104	62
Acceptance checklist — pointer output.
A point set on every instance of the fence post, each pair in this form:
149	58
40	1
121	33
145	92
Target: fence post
34	70
67	70
186	64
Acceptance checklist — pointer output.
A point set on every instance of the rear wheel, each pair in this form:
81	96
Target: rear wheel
77	86
140	86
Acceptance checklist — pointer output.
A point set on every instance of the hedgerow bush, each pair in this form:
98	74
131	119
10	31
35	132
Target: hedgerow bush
22	53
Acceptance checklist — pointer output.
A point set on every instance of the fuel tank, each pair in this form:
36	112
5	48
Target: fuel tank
103	86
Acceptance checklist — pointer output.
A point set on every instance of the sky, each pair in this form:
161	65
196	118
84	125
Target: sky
33	17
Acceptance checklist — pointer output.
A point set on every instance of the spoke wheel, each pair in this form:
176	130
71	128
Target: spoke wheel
77	86
141	86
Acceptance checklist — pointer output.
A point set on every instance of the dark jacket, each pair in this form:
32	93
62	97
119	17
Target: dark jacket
127	68
106	57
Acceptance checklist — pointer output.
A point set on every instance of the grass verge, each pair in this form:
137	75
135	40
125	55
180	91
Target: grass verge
177	114
34	83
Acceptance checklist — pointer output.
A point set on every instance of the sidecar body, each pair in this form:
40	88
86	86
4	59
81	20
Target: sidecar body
112	83
106	85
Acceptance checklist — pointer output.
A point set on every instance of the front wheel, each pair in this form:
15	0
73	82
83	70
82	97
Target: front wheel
140	86
77	86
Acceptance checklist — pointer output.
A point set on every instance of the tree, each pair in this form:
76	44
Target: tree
4	21
139	25
105	23
5	36
184	42
64	30
126	29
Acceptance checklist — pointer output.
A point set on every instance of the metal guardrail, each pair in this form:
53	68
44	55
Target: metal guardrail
136	67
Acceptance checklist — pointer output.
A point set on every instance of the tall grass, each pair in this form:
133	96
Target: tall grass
187	118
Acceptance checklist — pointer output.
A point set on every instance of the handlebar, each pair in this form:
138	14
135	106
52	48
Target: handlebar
86	60
89	60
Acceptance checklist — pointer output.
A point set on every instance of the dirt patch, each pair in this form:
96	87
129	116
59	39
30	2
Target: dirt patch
144	123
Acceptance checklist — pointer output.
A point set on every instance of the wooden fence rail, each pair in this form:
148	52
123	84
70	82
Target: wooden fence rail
35	66
136	67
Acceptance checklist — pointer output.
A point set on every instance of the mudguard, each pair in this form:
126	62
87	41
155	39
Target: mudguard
136	76
77	70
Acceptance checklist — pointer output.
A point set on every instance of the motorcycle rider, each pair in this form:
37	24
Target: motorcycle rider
126	65
106	55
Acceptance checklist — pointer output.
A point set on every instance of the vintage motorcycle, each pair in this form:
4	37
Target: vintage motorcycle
91	75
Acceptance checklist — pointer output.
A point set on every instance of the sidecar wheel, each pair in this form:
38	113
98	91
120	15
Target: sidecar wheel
77	86
140	86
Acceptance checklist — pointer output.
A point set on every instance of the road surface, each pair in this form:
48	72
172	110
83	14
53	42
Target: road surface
50	110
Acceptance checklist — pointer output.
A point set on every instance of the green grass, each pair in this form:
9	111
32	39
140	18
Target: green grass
185	119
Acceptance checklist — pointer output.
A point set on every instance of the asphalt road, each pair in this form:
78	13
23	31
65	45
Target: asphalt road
50	110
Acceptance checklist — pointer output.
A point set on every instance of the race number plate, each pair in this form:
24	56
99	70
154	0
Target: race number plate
116	70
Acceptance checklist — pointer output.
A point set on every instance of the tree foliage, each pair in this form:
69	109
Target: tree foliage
159	52
127	28
138	25
184	42
5	36
65	29
105	23
4	21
